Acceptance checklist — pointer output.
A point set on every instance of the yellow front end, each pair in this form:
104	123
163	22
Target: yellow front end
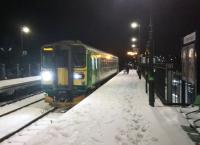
62	76
79	85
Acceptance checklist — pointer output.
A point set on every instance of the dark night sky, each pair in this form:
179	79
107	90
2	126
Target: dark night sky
103	24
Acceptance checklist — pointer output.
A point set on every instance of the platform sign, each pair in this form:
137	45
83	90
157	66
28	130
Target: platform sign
189	38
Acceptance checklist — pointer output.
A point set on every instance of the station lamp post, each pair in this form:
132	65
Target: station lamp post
134	39
133	45
24	30
151	63
136	25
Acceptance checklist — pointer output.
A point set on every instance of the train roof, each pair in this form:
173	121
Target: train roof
70	43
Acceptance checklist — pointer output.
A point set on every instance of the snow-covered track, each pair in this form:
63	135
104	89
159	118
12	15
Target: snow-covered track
28	100
20	108
18	115
25	125
19	98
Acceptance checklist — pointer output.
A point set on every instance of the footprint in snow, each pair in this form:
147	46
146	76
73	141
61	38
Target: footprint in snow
96	140
137	127
125	118
77	122
64	134
128	111
134	115
123	132
154	139
144	129
118	138
108	122
124	143
139	115
139	135
135	121
131	106
134	142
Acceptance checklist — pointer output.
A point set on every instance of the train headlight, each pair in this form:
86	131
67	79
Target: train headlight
47	76
78	76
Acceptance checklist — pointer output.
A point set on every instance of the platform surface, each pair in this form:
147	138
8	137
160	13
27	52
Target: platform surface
117	114
18	81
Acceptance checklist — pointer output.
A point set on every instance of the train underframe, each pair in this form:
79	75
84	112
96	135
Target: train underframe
65	98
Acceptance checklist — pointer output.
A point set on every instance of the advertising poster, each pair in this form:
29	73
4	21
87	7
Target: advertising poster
191	64
184	58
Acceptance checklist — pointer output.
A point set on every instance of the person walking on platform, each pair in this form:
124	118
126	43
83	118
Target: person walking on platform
139	72
127	69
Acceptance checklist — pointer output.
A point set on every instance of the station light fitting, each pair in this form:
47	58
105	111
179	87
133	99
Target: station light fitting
134	25
132	53
133	45
134	39
25	29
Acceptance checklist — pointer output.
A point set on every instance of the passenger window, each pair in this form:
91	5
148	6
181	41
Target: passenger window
92	63
96	63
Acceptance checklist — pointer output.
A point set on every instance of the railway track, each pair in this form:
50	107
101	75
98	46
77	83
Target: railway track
12	112
20	104
9	112
19	115
25	125
19	99
30	128
22	136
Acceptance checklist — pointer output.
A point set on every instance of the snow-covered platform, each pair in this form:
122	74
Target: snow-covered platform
115	114
5	85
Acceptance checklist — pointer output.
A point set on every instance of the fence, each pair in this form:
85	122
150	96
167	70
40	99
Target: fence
168	84
17	71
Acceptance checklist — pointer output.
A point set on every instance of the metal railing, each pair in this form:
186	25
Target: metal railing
168	84
18	70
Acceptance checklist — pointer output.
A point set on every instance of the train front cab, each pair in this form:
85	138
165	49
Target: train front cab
63	74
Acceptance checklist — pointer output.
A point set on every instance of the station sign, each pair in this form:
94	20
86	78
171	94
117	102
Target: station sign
189	38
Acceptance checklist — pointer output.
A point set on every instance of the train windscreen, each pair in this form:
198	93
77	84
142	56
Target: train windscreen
62	58
78	57
47	59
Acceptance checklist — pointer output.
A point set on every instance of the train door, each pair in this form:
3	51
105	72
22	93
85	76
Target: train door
93	69
62	68
189	69
64	74
98	68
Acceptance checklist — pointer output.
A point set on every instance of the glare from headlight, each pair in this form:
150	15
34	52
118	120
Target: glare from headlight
47	76
78	76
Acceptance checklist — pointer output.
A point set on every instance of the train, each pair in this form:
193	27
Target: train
69	69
